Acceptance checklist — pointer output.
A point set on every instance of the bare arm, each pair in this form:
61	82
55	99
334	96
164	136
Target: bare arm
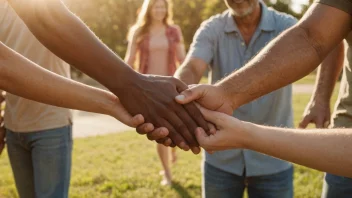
325	150
47	87
152	96
180	47
131	53
289	57
69	38
191	71
318	109
322	149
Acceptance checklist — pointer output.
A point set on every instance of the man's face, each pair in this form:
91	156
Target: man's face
241	8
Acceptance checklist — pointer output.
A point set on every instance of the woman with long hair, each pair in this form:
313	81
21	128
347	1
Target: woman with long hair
156	44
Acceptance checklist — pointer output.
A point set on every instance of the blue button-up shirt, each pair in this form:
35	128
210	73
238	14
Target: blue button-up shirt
219	43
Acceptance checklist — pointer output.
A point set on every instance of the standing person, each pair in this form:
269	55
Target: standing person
226	42
158	44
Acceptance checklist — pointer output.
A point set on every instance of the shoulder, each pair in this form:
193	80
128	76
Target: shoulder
281	19
136	30
214	25
175	28
217	21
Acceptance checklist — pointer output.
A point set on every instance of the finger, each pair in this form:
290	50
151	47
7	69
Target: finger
210	152
191	125
190	95
319	123
195	150
163	141
2	146
195	113
188	121
201	137
219	119
145	128
212	128
326	123
159	134
168	142
304	123
135	121
178	124
176	138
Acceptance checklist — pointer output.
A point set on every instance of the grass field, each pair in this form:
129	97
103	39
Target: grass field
126	165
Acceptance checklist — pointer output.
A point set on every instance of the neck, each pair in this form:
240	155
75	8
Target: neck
249	21
157	24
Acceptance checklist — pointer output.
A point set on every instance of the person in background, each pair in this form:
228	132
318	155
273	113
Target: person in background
156	43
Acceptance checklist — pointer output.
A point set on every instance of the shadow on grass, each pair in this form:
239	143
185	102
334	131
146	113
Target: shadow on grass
183	192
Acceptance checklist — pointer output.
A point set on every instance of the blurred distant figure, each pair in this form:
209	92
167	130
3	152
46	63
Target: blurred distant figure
157	45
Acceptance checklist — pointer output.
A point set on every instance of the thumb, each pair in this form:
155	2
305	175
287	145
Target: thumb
201	136
191	94
217	118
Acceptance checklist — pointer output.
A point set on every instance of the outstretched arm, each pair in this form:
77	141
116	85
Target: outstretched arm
69	38
24	78
322	149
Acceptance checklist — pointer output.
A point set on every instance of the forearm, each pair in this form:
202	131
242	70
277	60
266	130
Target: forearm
187	76
191	71
24	78
289	57
70	39
325	150
328	74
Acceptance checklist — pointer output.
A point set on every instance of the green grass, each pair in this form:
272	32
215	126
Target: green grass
309	79
126	165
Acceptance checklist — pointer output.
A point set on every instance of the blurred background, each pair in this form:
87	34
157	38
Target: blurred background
111	19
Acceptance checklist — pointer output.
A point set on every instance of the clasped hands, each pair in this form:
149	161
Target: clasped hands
165	111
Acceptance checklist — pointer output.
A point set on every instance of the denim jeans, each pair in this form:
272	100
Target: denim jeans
220	184
337	186
41	162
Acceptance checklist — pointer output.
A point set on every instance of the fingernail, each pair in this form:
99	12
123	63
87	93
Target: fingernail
180	97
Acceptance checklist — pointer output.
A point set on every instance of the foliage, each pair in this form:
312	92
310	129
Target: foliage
110	19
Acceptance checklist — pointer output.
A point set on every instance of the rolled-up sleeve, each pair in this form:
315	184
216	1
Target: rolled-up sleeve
344	5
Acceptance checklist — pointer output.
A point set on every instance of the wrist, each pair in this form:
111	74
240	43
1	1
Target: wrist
124	80
107	104
230	99
320	101
250	131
